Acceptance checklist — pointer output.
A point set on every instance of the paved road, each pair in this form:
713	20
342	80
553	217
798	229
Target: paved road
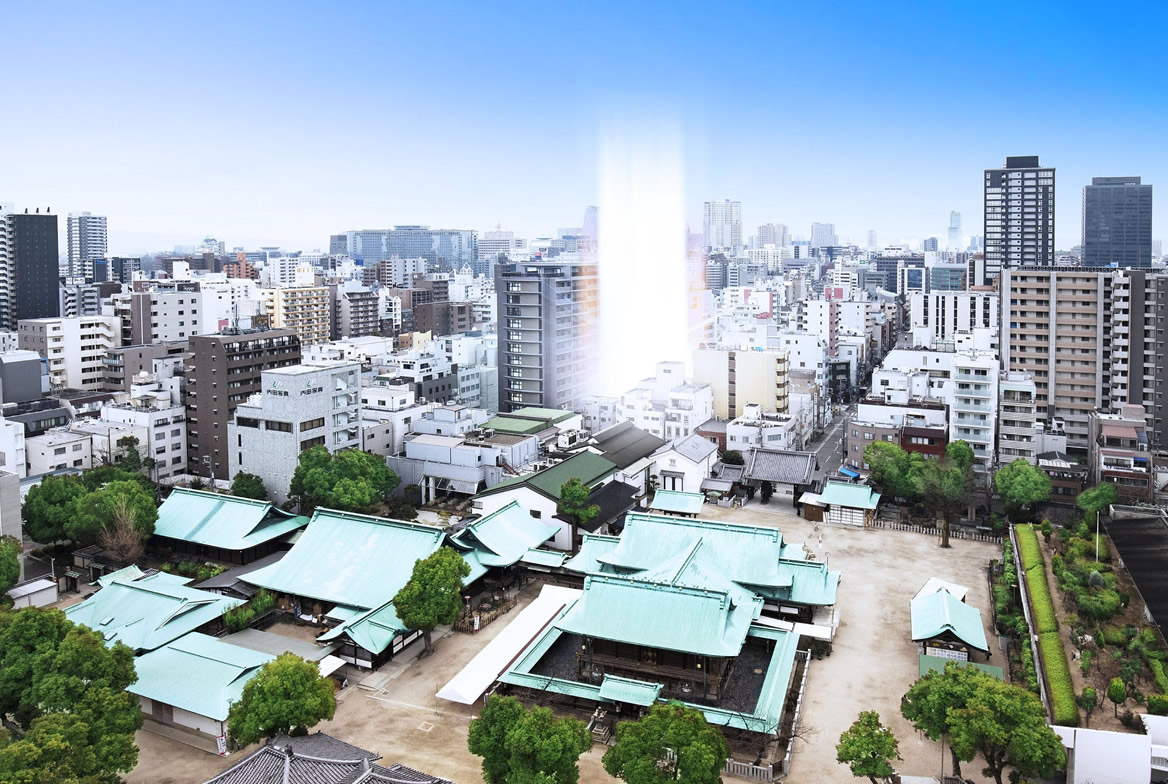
830	450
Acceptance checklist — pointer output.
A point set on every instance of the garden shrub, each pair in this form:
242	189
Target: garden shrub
262	601
1098	605
238	618
1158	704
1028	547
1029	673
1158	676
1085	660
1058	678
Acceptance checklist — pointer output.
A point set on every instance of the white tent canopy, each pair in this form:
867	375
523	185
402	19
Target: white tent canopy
493	660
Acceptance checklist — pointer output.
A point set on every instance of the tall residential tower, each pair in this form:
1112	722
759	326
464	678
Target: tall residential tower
723	226
1019	216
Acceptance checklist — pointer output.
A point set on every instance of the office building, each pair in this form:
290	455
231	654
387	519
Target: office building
29	266
930	245
222	371
722	221
88	241
823	235
772	234
355	310
954	235
304	309
1057	325
492	244
872	240
547	333
1019	216
1117	223
339	244
122	268
297	408
442	248
75	348
938	317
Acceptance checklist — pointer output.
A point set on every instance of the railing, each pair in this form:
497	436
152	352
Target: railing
955	532
805	657
746	770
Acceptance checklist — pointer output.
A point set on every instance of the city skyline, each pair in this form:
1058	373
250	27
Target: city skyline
257	147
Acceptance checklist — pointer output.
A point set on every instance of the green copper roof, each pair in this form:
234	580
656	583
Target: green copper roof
939	612
372	630
676	501
129	573
544	558
222	521
149	612
518	427
502	537
552	415
197	673
937	664
616	689
850	495
352	559
592	547
588	467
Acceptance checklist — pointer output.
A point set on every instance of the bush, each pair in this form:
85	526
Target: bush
1029	673
1028	547
1085	661
1058	678
1047	530
1044	616
1098	605
1158	704
1158	677
238	618
1064	534
262	602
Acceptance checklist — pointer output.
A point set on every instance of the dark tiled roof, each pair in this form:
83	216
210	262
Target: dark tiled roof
625	444
694	448
311	759
772	465
614	499
398	773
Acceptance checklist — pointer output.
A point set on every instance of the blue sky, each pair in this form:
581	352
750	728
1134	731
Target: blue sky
281	123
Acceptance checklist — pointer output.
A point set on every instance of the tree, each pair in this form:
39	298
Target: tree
245	485
891	468
95	511
733	457
433	595
868	748
350	480
1006	724
10	551
526	747
1117	693
1047	530
1088	701
400	509
131	461
286	697
670	743
573	505
943	484
65	690
121	539
1021	485
49	506
1096	499
487	737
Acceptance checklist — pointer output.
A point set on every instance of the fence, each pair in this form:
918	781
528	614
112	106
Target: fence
786	764
466	623
954	532
745	770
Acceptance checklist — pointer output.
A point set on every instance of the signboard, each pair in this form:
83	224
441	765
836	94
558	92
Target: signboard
221	745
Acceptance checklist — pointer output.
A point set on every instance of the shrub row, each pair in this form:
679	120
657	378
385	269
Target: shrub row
239	618
1158	677
1058	679
1029	673
1158	705
1028	548
1040	602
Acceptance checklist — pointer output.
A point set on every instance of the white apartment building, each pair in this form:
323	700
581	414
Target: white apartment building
805	351
12	448
75	347
492	243
369	350
301	406
388	413
304	309
1017	418
56	450
287	271
162	415
88	240
757	428
666	405
722	221
770	256
739	378
938	316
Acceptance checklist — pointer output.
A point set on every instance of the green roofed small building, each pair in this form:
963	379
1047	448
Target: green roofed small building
947	627
496	543
675	502
149	612
191	682
222	528
848	504
345	570
539	492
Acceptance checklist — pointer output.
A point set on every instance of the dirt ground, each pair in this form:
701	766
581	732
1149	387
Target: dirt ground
873	664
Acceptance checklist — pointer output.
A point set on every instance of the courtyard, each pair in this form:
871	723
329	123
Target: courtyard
396	714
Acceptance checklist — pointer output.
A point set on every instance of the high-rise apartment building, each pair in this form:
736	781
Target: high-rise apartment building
742	378
823	235
122	268
1117	222
872	239
304	309
1139	367
222	371
1057	325
355	310
29	266
772	234
74	348
930	245
1019	216
547	333
722	221
88	240
954	235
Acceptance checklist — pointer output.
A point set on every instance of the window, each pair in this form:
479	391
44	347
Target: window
247	422
537	514
282	427
77	447
311	424
309	443
59	450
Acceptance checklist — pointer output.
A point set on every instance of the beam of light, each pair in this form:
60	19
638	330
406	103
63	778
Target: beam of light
642	264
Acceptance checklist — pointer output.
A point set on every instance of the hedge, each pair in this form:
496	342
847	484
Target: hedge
1040	602
1028	671
1028	547
1158	676
1058	679
1158	705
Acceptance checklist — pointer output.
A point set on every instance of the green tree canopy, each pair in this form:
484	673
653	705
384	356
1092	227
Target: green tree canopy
245	485
893	468
1021	486
1117	693
433	595
95	511
66	690
286	697
670	743
350	480
573	504
943	485
527	747
868	748
49	506
10	550
733	457
1006	724
1097	498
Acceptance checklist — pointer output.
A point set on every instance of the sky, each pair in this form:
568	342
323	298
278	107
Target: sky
283	123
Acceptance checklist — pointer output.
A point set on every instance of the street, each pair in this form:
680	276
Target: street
830	450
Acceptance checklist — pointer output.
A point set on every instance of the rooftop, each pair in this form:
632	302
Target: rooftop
625	444
940	613
589	468
224	521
